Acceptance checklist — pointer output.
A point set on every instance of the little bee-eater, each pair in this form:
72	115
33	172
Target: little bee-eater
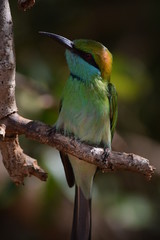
88	110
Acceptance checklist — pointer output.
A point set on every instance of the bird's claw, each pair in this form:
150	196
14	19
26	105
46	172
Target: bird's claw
51	131
105	154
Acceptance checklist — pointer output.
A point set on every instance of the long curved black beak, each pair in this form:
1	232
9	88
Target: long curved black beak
62	40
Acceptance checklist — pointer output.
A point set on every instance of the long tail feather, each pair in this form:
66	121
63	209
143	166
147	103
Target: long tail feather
81	228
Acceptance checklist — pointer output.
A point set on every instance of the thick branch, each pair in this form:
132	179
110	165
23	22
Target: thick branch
106	161
17	163
7	62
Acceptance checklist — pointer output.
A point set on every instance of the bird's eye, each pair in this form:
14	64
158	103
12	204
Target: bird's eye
88	57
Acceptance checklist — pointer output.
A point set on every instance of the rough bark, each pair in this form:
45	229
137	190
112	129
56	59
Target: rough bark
17	163
105	160
7	62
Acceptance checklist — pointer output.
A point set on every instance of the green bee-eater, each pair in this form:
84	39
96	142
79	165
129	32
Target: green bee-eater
89	112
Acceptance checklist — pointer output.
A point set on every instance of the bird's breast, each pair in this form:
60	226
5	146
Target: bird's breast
85	113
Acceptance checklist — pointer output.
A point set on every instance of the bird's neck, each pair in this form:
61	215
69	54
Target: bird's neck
80	69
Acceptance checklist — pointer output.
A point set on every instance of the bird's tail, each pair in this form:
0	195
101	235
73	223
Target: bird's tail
81	228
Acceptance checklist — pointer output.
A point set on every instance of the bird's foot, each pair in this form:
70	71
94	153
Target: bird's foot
105	154
53	130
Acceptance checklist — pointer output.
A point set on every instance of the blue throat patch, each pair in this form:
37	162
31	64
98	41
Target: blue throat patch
80	69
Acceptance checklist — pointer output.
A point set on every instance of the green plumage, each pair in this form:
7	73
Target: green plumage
88	112
85	111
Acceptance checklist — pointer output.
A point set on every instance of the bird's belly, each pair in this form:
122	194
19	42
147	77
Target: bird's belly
90	124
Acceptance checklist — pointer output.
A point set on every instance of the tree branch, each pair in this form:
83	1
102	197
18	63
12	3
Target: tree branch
17	163
7	62
106	161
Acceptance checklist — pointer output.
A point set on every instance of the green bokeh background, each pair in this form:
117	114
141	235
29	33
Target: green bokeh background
125	205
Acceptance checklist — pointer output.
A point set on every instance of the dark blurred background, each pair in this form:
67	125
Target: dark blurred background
125	205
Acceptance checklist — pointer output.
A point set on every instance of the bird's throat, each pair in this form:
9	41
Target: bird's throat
80	69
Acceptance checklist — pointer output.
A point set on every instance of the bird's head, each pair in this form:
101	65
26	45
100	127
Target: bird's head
86	55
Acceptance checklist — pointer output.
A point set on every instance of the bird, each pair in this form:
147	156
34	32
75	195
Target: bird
88	111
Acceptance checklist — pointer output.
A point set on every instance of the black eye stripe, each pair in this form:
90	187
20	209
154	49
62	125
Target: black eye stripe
86	56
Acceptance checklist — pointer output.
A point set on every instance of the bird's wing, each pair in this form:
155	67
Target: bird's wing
112	96
66	163
67	168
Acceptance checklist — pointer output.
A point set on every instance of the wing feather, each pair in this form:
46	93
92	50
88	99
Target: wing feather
66	163
112	96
